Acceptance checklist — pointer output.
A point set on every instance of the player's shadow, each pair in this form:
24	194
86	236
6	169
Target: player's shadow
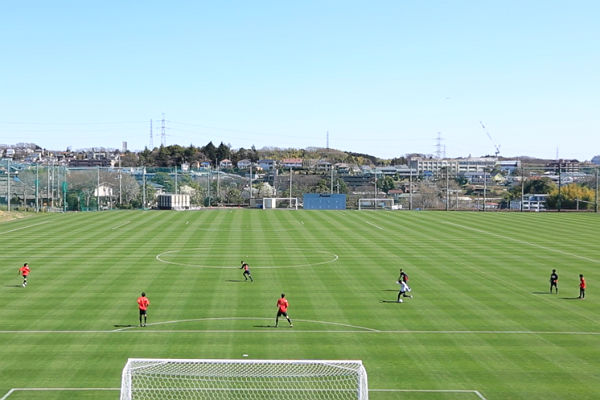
234	280
264	326
13	286
388	301
541	293
124	325
569	298
389	290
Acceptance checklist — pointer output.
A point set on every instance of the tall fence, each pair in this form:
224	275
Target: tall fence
42	187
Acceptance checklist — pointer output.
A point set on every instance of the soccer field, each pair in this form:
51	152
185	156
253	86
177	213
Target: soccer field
481	325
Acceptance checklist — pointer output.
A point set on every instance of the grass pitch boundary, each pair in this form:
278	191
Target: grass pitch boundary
13	390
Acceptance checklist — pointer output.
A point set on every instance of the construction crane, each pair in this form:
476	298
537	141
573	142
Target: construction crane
496	147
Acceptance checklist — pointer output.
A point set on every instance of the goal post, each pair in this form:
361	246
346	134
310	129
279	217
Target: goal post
376	204
280	202
183	379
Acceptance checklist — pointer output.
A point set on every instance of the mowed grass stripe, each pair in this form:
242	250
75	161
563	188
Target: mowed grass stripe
458	275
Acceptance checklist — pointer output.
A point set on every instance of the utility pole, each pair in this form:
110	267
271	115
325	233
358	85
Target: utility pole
410	191
522	186
484	187
120	183
250	182
8	184
596	196
175	179
290	203
98	189
331	182
447	190
558	202
144	187
151	140
37	187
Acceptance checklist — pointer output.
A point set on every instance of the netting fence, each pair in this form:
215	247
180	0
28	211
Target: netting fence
43	187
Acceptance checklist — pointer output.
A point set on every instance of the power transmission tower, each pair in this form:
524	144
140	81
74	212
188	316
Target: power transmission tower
163	134
438	146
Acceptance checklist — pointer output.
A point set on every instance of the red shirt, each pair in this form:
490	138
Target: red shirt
143	303
282	304
24	270
582	283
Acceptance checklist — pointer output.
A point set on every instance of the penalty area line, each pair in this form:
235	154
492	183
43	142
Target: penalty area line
13	390
24	227
372	224
475	392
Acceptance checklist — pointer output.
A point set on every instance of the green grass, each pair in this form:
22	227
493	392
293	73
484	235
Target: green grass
481	318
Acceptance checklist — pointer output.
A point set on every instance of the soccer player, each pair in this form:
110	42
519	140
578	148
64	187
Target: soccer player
402	281
143	304
554	281
282	306
581	287
24	270
246	269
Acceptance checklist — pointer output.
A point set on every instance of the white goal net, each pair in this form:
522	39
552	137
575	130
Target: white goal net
376	204
167	379
280	202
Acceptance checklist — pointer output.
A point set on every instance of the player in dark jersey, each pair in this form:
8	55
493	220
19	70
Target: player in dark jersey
554	281
246	269
403	282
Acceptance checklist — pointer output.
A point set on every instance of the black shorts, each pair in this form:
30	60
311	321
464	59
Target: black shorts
143	312
280	313
246	272
553	283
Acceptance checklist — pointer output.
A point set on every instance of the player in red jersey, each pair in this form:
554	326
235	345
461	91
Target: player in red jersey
24	270
143	304
581	286
246	273
282	306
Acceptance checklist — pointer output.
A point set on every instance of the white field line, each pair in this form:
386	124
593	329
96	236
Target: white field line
475	392
539	246
164	253
11	391
24	227
284	328
119	226
376	226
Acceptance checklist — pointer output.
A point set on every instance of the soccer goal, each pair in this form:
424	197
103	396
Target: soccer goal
167	379
280	202
376	204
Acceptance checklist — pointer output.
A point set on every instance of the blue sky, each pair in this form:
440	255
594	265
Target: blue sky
382	77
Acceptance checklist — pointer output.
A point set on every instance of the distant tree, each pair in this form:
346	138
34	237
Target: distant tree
569	195
386	184
223	152
164	179
210	151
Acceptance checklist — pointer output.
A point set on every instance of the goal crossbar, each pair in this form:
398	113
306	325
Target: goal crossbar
276	202
241	379
376	204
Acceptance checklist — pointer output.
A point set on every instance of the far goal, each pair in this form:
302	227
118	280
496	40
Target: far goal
280	202
376	204
167	379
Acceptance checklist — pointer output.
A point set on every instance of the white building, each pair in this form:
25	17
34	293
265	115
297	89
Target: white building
171	201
